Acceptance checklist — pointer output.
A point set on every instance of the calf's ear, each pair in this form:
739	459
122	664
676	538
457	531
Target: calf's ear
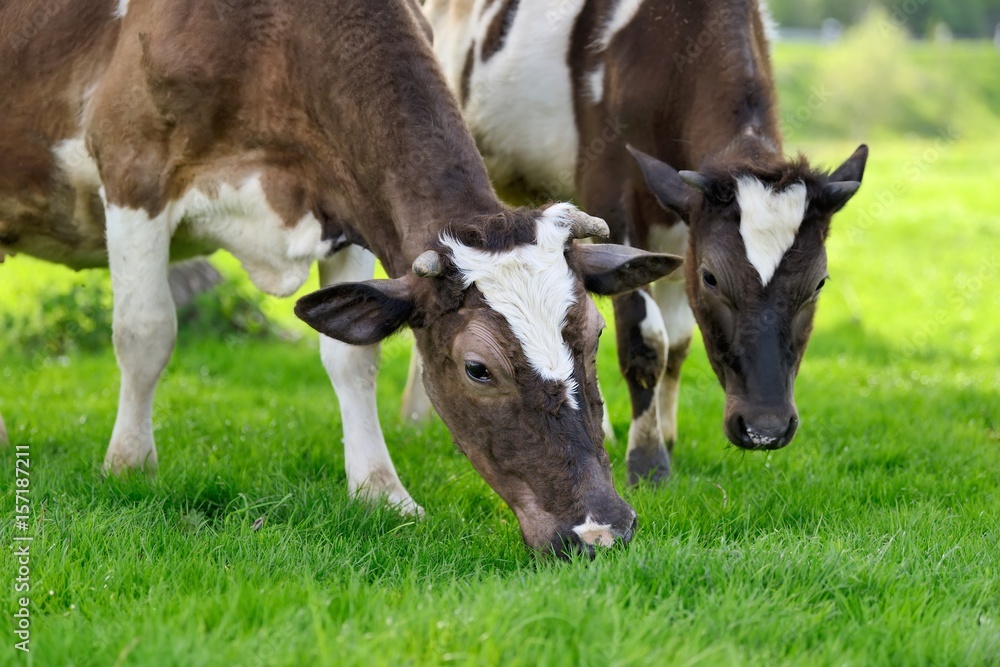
674	192
844	181
607	268
358	313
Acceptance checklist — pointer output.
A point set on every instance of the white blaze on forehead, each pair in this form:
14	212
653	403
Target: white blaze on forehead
595	534
769	221
533	288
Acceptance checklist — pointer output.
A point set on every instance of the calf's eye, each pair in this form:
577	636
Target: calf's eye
709	279
477	371
820	286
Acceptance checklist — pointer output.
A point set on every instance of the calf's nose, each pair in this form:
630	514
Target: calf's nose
766	430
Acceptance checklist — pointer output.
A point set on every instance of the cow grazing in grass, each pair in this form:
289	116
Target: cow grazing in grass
558	93
290	132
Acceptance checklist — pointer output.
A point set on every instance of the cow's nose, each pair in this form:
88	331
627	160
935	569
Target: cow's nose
591	534
765	430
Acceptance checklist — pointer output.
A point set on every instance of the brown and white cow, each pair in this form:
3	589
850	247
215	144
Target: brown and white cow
559	92
290	132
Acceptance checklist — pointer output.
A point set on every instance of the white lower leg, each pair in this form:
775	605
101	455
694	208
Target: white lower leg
644	432
671	296
4	440
353	370
416	405
145	327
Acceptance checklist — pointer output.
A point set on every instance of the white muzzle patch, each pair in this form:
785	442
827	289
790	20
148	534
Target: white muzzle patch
595	534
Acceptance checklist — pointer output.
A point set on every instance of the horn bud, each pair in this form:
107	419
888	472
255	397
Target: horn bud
584	226
428	264
694	180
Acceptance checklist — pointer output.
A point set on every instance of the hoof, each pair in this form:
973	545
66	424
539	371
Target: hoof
385	487
652	466
120	462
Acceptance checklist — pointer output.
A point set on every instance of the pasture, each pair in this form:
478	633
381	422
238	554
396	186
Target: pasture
872	539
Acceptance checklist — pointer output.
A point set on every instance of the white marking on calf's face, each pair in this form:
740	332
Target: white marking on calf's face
769	221
595	534
533	288
121	9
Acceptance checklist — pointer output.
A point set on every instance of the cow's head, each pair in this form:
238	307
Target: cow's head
508	336
756	264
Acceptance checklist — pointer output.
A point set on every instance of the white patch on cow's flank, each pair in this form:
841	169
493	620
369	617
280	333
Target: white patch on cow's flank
533	288
595	84
624	12
520	104
276	256
76	162
769	221
595	534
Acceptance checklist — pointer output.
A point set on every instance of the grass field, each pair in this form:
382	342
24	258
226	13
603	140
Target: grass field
872	539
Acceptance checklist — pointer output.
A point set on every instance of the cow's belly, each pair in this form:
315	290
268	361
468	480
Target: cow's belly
520	102
66	225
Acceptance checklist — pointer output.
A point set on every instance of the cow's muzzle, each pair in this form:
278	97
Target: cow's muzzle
765	427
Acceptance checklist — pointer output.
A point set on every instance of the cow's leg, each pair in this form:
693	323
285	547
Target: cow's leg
671	296
145	326
352	370
642	356
416	406
4	440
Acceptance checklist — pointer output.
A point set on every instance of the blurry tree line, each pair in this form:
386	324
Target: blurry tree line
966	18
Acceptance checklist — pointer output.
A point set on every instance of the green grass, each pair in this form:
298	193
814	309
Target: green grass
873	539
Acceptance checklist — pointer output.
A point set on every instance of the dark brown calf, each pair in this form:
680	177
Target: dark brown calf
557	92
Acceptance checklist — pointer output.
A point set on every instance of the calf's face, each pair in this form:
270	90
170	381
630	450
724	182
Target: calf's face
756	266
508	337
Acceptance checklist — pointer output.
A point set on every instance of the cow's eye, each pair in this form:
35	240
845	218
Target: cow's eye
477	371
709	279
820	286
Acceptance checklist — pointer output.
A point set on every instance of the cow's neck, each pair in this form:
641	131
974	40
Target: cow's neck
734	118
414	149
425	198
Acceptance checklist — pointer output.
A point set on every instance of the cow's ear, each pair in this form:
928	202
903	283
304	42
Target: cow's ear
670	189
844	182
607	268
358	313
